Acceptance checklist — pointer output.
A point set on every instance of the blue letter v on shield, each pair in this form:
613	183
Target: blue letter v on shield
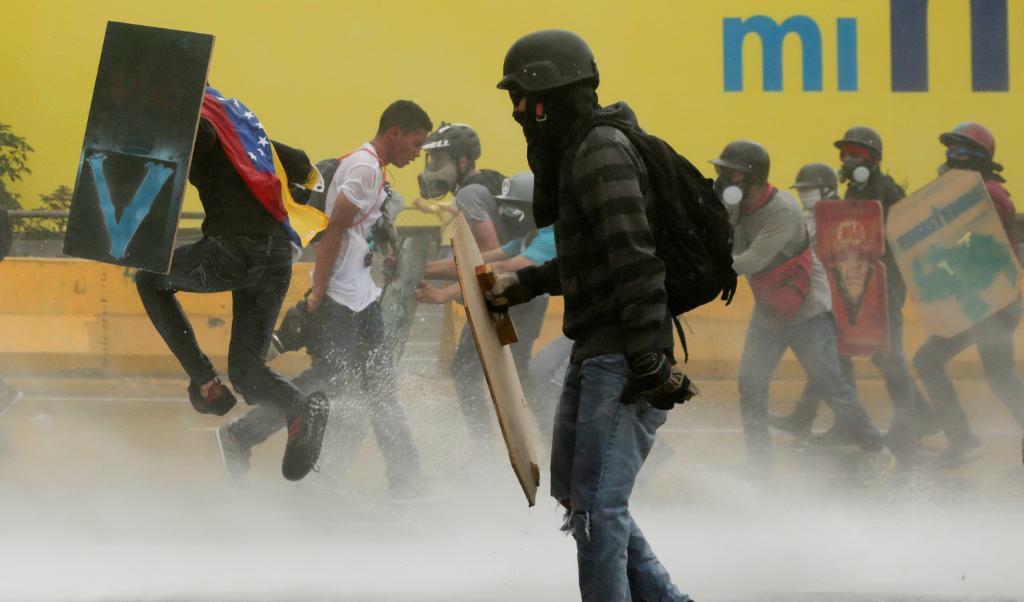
121	232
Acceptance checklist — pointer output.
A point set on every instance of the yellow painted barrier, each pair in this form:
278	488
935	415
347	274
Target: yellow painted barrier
75	316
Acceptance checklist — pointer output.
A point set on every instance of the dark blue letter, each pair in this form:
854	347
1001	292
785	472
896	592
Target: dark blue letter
846	49
990	64
909	37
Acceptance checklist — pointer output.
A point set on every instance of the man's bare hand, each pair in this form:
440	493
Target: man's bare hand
428	294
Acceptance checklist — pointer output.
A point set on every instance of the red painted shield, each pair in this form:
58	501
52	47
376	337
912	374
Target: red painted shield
850	242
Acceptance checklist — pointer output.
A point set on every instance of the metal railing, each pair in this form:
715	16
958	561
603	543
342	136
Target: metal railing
32	214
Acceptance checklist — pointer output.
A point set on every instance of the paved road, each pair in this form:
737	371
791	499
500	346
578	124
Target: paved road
112	490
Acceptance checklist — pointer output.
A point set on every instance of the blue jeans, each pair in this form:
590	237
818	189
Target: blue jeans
598	446
909	405
814	343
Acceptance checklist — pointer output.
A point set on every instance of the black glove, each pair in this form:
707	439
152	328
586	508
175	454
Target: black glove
656	379
506	292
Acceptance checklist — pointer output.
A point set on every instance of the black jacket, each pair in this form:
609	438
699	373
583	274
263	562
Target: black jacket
613	284
231	208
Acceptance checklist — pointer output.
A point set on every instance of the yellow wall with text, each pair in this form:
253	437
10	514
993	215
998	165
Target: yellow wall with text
319	73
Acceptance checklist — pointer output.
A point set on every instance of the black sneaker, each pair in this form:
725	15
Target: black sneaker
233	454
219	399
791	424
306	427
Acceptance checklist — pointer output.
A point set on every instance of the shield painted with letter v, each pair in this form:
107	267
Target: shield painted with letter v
135	159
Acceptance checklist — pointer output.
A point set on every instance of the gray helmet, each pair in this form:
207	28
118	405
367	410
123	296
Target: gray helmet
863	136
456	138
746	156
548	59
816	175
518	188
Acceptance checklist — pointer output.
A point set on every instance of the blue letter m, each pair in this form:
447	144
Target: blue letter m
772	35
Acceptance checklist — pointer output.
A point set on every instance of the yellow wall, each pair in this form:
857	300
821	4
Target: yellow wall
319	73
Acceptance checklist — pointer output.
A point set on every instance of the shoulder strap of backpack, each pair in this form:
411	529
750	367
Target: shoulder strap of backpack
488	178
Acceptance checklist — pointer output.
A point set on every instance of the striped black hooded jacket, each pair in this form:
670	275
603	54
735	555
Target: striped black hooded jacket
614	286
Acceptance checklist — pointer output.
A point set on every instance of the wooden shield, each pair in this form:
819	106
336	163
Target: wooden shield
135	159
850	242
953	253
514	417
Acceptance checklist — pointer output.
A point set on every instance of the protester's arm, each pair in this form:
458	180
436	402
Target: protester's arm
485	234
543	279
444	269
206	138
475	203
295	161
438	296
768	244
341	220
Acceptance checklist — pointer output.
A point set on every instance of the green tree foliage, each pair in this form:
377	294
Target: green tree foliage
14	152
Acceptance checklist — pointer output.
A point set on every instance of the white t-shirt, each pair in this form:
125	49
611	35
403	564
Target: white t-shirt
361	178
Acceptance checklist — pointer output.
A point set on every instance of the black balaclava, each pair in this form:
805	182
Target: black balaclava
551	121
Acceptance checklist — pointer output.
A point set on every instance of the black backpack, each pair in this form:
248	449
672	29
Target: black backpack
492	180
692	232
6	234
327	167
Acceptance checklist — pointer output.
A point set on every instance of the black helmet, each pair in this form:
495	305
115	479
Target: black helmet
746	156
457	138
863	136
816	175
548	59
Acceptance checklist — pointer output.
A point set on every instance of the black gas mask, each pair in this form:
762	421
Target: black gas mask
517	219
855	170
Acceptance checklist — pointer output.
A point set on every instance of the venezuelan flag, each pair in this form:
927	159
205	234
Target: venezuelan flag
250	150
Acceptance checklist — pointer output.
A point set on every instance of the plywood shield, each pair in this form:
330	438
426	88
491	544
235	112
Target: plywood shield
850	242
514	417
134	164
953	253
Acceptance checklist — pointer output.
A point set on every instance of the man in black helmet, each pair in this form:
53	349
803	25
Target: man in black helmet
593	186
860	150
792	306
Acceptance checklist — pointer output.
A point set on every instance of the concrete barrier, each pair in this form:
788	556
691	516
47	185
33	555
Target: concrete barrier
80	317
